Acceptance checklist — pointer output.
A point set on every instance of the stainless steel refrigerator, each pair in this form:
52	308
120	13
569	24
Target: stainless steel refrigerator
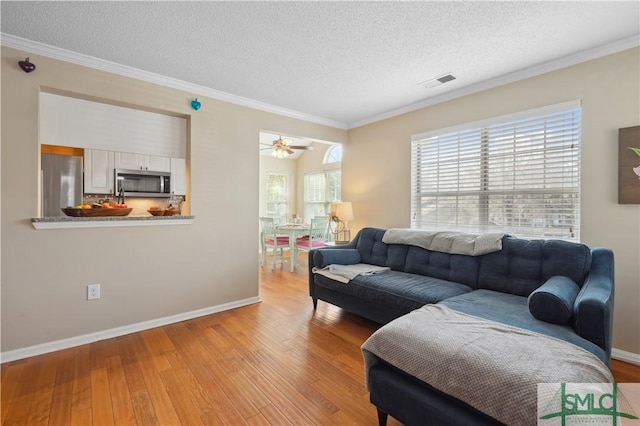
61	183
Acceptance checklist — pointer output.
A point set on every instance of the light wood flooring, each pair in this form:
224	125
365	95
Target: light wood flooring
275	362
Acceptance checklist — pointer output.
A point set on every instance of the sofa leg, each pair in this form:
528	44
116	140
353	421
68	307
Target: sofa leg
315	303
382	417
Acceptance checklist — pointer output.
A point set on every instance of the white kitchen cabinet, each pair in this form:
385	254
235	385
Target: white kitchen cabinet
178	176
98	171
157	163
130	161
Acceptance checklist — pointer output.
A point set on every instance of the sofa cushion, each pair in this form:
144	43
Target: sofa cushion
553	301
511	309
397	289
374	252
326	257
524	265
450	267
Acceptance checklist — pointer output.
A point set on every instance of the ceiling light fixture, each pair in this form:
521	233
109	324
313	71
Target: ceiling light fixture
279	152
282	148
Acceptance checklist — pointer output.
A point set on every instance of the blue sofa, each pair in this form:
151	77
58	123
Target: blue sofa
557	288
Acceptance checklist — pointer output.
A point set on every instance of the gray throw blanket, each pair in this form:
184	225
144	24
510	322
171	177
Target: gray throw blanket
345	273
493	367
446	242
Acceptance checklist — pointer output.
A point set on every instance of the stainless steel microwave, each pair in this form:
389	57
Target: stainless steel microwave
143	183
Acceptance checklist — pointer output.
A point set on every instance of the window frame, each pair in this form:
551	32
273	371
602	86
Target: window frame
483	165
321	206
330	157
286	202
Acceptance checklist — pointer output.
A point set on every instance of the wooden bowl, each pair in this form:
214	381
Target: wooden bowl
164	212
96	212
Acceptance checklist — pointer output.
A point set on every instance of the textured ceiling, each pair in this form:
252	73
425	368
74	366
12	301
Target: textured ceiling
341	61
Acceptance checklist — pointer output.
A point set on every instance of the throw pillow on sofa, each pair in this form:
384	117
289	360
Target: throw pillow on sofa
553	301
326	257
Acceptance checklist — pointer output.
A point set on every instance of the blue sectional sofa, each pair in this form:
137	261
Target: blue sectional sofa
556	288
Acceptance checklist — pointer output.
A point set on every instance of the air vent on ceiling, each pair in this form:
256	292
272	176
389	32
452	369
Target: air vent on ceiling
437	81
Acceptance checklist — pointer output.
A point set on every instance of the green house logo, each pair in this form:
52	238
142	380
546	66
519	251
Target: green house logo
584	403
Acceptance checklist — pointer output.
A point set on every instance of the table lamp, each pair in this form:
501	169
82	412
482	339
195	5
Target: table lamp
341	214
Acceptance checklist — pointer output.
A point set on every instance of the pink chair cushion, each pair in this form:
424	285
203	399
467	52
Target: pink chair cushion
280	241
304	242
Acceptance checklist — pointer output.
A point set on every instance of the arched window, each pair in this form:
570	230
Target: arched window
333	155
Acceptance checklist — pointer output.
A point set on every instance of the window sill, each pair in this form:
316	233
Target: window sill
108	222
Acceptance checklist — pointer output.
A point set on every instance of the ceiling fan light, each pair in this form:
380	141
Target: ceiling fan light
279	153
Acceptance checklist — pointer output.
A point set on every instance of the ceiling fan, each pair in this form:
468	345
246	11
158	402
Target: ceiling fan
282	147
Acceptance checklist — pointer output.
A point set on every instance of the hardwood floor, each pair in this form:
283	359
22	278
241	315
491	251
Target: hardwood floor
276	362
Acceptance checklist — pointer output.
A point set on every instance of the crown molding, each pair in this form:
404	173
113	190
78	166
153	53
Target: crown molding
53	52
564	62
115	68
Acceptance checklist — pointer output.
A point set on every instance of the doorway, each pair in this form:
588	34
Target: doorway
300	185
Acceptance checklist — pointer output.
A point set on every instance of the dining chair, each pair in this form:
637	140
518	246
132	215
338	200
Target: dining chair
319	235
269	239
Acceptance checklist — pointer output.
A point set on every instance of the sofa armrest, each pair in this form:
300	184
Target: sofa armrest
350	246
311	262
593	308
326	257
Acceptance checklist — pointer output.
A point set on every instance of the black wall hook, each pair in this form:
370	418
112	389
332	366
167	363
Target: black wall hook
27	66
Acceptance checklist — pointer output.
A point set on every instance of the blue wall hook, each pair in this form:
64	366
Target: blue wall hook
195	104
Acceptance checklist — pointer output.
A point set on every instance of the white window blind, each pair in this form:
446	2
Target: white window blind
320	190
276	195
334	185
314	188
518	174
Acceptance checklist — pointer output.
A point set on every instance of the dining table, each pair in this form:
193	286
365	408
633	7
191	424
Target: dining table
293	231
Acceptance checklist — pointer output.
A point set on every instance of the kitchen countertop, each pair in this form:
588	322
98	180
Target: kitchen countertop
66	222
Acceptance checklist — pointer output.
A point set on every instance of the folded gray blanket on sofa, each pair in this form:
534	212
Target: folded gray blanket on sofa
493	367
345	273
446	242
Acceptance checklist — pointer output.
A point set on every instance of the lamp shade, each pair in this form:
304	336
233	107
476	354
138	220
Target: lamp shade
342	210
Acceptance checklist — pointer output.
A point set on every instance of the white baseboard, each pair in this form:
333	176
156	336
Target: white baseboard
625	356
58	345
119	331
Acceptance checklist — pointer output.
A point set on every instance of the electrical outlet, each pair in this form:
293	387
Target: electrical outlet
93	291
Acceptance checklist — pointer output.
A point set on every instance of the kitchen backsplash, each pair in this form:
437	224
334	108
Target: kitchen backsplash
139	205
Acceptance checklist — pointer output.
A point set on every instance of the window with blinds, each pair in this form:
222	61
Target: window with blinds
320	190
518	174
276	195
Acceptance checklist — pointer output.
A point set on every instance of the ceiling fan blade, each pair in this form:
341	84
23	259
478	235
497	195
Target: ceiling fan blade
289	151
306	148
